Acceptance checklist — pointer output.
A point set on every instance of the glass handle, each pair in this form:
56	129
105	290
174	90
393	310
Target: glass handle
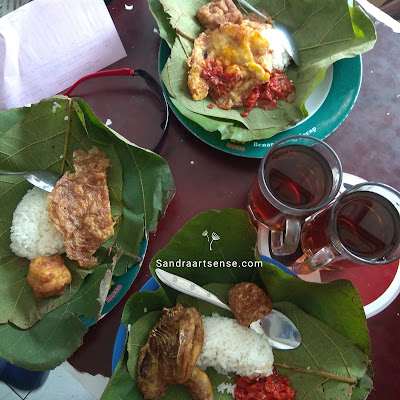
307	264
284	243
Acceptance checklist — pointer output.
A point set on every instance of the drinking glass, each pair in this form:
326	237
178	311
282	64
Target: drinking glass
362	225
298	176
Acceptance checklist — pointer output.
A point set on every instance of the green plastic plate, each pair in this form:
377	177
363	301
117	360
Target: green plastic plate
328	106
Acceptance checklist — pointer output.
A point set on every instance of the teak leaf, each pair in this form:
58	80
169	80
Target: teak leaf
325	31
44	136
43	139
328	364
54	338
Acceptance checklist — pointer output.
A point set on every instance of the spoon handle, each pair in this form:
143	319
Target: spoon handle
250	7
7	173
188	287
279	329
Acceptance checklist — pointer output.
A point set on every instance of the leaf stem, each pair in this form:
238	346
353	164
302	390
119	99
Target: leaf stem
315	388
183	46
313	358
128	253
184	34
319	373
67	131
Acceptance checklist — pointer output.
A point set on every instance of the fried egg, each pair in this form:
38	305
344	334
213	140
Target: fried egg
229	62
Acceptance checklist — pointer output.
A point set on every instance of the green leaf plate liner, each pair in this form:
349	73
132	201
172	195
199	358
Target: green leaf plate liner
344	88
325	31
333	360
41	333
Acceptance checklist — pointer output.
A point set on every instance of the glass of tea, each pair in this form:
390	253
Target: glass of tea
362	225
298	176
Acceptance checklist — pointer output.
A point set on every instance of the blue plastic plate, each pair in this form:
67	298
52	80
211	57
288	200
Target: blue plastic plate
151	285
121	284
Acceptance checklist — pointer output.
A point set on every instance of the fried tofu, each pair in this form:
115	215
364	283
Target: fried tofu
48	276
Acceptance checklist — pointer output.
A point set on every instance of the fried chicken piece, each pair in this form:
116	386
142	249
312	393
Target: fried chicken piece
171	351
79	207
217	12
199	386
48	276
249	303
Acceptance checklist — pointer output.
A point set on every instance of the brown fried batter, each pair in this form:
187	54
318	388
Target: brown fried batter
217	12
249	303
199	386
171	351
79	207
48	276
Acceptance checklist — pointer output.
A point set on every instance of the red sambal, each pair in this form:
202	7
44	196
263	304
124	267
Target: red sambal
266	96
220	81
273	387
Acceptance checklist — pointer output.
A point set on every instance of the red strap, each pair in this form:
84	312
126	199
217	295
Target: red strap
111	72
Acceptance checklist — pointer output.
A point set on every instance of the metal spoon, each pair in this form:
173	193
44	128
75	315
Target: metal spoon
287	39
278	328
43	179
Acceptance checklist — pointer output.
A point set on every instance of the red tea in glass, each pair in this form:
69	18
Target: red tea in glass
363	225
297	177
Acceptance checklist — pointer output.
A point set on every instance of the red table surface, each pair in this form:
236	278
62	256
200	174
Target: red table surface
368	144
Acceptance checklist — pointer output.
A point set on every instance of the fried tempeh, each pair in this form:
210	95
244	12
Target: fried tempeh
249	303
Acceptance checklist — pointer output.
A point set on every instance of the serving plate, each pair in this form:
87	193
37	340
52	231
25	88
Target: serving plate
29	380
378	286
120	285
203	251
151	285
328	106
61	323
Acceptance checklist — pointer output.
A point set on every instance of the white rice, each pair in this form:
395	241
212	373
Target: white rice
280	57
231	348
227	387
32	232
